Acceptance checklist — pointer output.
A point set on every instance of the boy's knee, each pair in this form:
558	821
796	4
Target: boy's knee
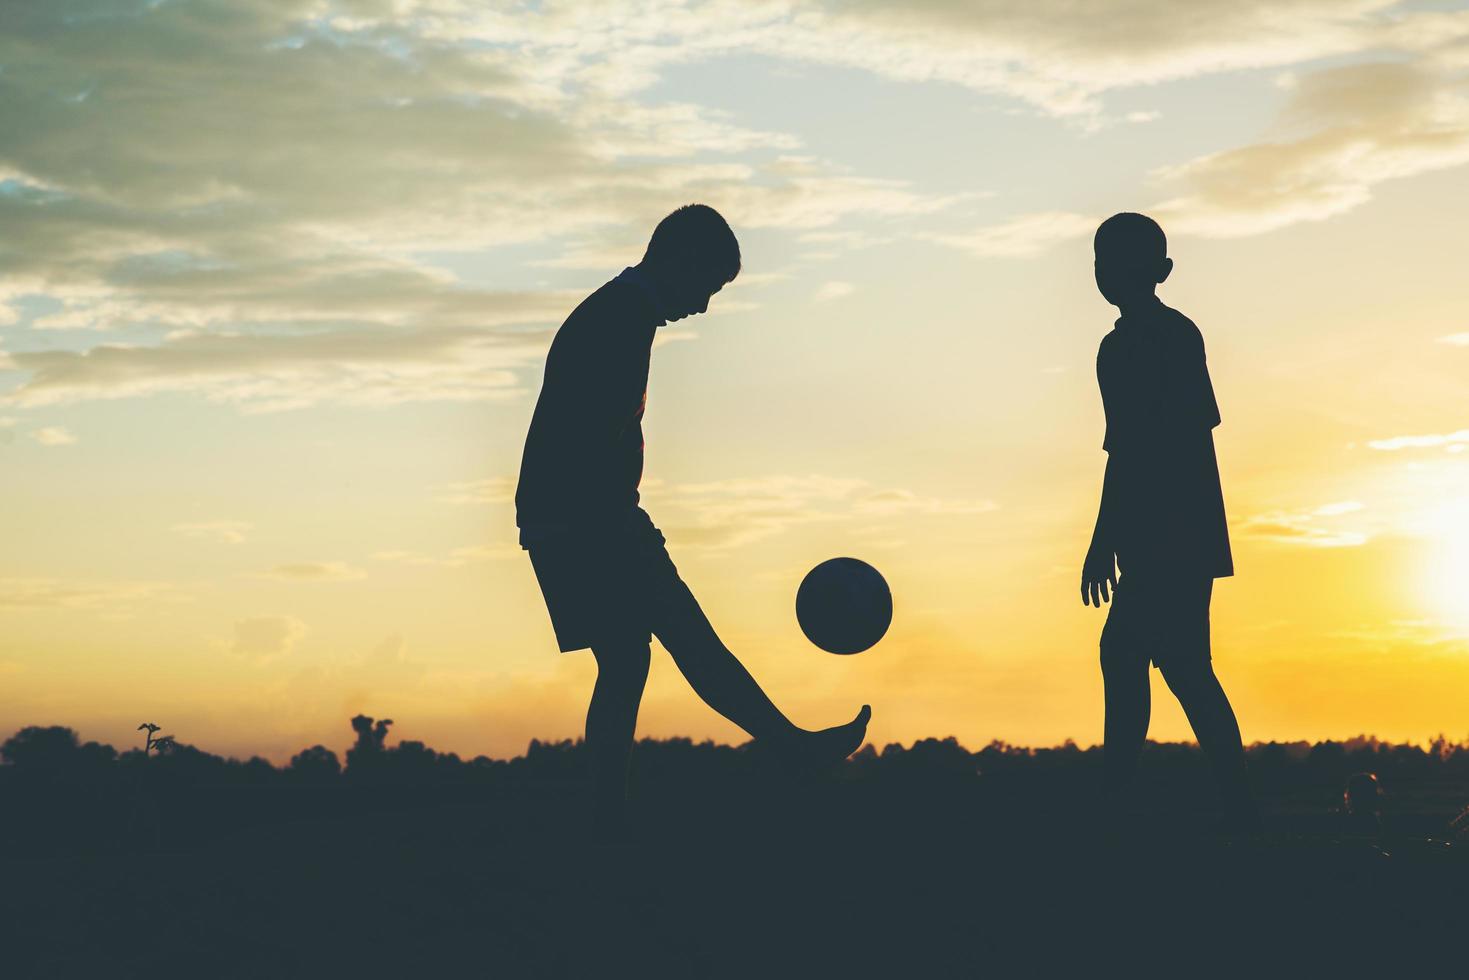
1184	677
626	662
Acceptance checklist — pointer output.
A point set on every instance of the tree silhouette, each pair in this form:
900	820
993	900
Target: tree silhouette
316	764
368	750
55	751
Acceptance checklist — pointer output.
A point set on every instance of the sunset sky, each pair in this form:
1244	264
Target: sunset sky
277	278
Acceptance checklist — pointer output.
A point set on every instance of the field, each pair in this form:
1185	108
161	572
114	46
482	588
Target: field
929	861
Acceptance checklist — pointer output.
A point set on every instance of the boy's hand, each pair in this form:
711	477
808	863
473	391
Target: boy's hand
1098	574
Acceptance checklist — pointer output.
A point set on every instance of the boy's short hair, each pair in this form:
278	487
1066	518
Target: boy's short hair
1136	235
700	232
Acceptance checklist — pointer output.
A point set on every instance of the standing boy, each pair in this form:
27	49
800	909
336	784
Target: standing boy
1161	518
605	575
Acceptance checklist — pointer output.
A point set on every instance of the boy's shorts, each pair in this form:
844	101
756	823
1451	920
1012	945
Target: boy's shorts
1164	617
600	582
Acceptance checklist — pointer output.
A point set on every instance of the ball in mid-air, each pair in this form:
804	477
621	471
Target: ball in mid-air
844	605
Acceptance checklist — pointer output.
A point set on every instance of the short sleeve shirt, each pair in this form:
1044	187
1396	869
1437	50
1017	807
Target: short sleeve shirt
1161	412
583	456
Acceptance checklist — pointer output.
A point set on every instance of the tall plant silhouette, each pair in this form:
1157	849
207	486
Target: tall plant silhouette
145	808
155	746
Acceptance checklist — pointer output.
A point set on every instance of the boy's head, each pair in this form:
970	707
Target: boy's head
1131	257
691	255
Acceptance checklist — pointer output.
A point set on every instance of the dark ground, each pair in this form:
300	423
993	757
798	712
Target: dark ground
925	863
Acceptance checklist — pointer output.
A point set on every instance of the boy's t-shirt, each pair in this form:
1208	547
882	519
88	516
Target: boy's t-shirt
583	456
1160	409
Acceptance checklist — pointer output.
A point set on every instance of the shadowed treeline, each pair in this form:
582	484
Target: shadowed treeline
63	795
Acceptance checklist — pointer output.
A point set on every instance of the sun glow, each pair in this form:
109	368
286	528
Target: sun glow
1446	580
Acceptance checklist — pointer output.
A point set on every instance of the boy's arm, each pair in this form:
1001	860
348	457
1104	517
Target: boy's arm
1099	570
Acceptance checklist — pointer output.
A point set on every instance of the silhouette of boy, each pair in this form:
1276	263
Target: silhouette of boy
1161	519
607	580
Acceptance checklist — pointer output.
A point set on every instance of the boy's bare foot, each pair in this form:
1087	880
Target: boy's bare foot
817	750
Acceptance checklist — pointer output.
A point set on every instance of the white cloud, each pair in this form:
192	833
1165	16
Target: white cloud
261	639
268	372
493	490
54	435
456	557
1428	441
1343	131
726	514
224	532
1313	528
1022	236
314	571
116	598
833	290
387	653
1055	54
1359	126
1062	55
885	502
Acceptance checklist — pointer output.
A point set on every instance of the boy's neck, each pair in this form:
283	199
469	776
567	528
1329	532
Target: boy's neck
1141	303
651	278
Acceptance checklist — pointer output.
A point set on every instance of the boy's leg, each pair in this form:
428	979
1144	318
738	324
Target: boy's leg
1128	700
712	670
1189	672
612	719
724	684
1198	690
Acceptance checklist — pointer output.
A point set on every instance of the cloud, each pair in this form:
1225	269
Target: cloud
1305	527
1452	440
314	571
54	435
364	138
1362	124
113	598
494	490
261	639
1061	56
273	371
1358	126
728	514
1457	339
224	532
1022	236
833	290
360	137
1054	54
456	557
884	502
1343	131
387	653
